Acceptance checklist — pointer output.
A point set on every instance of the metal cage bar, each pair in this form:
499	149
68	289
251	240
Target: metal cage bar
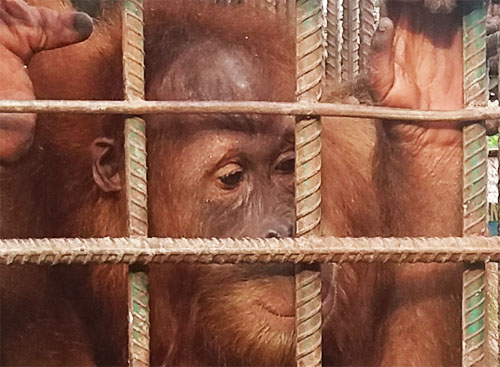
350	40
480	285
497	265
480	290
498	207
142	250
498	216
333	42
136	179
368	25
265	108
309	73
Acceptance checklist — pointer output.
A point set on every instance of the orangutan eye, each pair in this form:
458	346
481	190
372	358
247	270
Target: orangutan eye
286	163
230	176
232	180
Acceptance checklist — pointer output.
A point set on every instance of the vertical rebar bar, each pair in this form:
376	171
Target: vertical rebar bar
479	299
368	26
310	70
490	8
492	312
136	180
333	42
350	40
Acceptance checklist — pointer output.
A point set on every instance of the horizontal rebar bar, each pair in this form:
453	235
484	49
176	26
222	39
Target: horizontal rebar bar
294	250
266	108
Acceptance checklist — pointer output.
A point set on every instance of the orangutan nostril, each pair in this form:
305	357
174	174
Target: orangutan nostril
273	234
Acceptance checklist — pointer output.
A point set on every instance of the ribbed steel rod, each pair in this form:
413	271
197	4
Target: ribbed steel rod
143	250
368	25
350	40
479	308
136	181
498	214
333	42
266	108
309	73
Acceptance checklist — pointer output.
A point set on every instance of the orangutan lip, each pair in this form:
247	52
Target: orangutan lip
272	310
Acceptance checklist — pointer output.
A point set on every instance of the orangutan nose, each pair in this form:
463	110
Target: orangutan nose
280	232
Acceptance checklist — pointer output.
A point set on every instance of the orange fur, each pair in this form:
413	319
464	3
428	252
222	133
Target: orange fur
200	314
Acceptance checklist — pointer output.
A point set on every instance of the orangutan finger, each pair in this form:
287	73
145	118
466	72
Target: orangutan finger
382	59
44	28
492	44
493	63
62	29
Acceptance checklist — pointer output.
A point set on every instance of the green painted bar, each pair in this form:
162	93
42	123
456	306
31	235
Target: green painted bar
479	346
136	180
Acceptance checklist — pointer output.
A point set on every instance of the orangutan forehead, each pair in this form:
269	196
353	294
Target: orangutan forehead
255	124
281	126
212	70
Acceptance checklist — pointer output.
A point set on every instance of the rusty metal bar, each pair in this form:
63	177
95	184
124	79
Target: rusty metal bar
480	290
492	310
367	29
136	180
333	42
266	108
309	73
498	202
350	40
142	250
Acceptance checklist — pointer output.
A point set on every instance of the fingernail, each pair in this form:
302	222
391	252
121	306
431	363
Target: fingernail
82	23
384	24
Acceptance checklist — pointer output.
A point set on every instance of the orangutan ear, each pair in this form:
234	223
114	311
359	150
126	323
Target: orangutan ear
106	162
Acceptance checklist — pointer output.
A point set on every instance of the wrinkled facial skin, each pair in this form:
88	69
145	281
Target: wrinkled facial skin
229	175
233	183
248	184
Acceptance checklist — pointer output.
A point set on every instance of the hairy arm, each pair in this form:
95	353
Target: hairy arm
417	63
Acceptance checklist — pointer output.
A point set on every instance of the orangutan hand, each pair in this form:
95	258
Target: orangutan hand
416	60
416	63
25	30
493	43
